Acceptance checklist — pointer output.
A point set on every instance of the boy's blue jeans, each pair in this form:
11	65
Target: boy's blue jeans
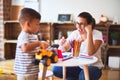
76	73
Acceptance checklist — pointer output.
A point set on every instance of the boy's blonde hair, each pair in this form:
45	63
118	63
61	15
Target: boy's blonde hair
28	14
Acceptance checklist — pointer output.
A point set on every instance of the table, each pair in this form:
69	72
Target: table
76	62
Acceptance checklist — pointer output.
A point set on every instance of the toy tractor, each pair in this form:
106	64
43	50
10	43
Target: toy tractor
46	56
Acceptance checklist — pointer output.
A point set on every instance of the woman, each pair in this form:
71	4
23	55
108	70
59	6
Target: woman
91	41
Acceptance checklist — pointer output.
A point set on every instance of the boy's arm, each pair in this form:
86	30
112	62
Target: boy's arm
28	47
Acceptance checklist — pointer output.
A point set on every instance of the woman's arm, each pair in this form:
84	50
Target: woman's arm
92	45
64	45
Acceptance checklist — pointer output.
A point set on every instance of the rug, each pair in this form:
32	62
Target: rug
6	66
8	72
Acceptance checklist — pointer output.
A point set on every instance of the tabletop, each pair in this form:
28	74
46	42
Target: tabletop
79	61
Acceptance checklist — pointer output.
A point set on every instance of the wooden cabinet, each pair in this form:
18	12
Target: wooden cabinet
11	32
45	31
114	28
108	49
51	31
113	50
62	28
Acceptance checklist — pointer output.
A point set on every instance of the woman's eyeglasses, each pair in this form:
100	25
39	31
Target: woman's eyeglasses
79	24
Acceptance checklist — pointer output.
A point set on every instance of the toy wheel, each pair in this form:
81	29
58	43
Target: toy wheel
54	58
35	61
46	61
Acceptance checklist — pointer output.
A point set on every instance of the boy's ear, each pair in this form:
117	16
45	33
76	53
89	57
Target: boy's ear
27	23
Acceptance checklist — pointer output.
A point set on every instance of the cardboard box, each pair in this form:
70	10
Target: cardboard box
114	62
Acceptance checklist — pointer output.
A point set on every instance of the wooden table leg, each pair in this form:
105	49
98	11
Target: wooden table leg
86	73
64	73
44	72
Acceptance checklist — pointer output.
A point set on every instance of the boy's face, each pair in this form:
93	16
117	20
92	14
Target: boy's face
34	26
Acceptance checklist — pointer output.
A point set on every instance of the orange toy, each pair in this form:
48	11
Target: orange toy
46	56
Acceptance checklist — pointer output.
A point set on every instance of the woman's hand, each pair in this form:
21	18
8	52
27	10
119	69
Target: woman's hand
88	28
64	45
62	41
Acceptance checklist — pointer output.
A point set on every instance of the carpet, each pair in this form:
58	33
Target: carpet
6	66
8	72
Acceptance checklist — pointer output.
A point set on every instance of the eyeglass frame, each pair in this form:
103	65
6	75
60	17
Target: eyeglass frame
77	23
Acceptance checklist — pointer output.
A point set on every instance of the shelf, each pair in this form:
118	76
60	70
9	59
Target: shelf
111	46
9	50
10	41
49	31
11	21
11	30
45	31
63	23
61	27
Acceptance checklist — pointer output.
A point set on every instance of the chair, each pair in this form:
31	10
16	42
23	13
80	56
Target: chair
104	54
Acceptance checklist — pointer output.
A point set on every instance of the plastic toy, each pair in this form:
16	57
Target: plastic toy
46	56
1	71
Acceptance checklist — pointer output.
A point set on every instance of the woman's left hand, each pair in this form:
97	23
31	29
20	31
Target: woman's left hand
88	28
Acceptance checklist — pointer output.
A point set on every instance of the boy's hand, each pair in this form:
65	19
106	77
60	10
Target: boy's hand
44	44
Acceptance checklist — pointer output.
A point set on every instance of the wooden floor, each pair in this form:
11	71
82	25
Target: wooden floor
107	75
110	74
7	66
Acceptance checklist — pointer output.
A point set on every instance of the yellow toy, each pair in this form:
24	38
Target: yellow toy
46	56
1	71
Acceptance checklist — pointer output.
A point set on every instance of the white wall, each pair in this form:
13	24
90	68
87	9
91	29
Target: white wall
34	4
50	9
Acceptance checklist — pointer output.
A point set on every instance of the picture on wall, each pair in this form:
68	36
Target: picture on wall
64	17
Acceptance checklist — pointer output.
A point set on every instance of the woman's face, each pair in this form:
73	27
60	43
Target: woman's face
80	25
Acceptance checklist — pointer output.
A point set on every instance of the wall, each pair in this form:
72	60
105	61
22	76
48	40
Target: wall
1	29
4	15
51	8
27	3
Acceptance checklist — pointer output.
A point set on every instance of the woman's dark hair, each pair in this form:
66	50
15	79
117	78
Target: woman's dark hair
88	18
93	23
28	14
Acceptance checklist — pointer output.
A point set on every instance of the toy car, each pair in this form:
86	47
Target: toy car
46	56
